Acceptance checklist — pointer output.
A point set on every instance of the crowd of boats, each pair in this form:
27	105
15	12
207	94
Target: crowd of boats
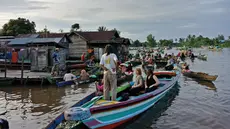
93	111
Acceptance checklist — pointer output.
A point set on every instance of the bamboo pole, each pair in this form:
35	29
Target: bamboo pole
5	63
22	69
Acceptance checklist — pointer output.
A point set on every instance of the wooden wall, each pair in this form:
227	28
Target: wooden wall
78	46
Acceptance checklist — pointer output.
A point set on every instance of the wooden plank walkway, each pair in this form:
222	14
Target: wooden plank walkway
26	73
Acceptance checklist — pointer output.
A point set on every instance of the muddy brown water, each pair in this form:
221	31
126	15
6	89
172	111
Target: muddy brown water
190	104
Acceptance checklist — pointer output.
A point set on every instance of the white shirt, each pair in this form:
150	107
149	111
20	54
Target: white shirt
109	62
69	77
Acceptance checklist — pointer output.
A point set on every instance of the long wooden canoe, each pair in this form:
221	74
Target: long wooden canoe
201	76
110	114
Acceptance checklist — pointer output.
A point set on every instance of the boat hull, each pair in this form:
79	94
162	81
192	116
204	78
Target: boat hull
201	76
116	115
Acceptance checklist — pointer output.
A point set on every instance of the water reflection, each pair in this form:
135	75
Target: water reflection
147	119
37	105
209	85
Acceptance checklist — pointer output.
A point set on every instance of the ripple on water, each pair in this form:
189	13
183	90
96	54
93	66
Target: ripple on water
194	107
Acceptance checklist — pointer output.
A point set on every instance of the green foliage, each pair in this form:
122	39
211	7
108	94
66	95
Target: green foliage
165	42
18	26
75	27
102	28
119	32
151	42
45	31
136	43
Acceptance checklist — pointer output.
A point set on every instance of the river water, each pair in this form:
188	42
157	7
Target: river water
190	104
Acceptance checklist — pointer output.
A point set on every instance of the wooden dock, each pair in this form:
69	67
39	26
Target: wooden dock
28	77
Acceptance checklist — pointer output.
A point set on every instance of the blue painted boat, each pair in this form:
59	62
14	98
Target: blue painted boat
67	83
102	114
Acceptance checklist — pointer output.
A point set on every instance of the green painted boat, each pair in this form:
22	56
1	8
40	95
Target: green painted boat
6	81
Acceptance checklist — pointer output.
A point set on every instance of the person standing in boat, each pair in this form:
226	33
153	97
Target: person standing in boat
56	61
83	57
151	82
109	64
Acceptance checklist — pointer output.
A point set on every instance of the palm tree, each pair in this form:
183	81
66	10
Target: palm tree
228	37
176	40
102	28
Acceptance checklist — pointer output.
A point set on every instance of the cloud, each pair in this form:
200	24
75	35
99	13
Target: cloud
190	25
134	18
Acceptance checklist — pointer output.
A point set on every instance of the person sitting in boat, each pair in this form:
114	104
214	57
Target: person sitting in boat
129	68
99	87
138	83
121	72
185	68
150	60
179	53
84	75
90	62
159	56
170	64
166	56
182	56
192	56
151	82
70	77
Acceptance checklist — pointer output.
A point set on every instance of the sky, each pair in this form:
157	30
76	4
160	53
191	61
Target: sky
135	19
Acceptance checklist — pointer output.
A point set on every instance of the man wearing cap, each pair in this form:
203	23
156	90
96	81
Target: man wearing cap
56	61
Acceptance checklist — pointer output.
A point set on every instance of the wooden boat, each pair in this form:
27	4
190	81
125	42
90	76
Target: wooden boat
160	63
201	76
6	81
92	78
202	57
77	66
70	62
128	77
98	113
54	80
134	63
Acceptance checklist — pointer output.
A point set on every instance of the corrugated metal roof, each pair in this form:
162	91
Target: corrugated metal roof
6	37
20	41
46	40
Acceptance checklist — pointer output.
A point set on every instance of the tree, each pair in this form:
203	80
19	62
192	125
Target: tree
61	30
228	37
102	28
136	43
176	40
119	32
151	42
1	32
75	27
220	37
18	26
45	31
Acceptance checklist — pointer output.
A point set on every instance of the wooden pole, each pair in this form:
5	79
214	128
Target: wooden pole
22	69
5	62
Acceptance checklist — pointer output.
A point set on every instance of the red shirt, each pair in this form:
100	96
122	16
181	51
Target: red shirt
83	57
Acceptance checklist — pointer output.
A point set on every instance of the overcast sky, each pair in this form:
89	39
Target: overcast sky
134	18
